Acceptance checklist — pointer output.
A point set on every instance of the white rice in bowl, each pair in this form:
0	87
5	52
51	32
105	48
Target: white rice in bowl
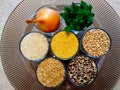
34	46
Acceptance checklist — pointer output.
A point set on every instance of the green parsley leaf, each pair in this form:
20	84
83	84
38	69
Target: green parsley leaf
78	16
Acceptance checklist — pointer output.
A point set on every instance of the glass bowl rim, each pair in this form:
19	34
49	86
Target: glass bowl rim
64	78
65	59
39	58
94	77
60	25
83	50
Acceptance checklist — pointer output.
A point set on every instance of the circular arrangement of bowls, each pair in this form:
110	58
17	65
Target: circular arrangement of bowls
22	70
65	46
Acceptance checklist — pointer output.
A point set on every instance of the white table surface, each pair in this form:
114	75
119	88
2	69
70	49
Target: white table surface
6	7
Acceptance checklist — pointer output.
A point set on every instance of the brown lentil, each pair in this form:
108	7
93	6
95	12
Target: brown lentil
50	72
96	42
82	70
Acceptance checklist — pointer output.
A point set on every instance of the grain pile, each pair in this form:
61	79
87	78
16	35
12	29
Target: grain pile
82	71
50	72
64	45
34	46
96	42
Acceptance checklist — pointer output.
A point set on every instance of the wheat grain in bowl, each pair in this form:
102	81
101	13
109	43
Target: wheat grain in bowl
34	46
96	42
50	73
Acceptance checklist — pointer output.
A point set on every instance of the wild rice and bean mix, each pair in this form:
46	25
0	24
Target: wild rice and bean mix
82	71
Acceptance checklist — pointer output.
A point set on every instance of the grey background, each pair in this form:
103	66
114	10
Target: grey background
6	7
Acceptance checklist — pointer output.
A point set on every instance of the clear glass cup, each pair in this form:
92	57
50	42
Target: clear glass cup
69	58
49	34
57	86
35	60
90	60
87	53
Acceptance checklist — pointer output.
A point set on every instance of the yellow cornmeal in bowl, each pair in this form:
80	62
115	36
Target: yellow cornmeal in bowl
64	45
50	72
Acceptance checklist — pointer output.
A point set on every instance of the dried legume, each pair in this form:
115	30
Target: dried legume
64	45
50	72
96	42
82	71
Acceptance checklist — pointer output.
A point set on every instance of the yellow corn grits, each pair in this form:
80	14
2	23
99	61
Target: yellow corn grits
64	44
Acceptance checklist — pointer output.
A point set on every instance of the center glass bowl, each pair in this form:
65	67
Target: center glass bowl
60	38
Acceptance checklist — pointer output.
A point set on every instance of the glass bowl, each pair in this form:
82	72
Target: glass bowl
23	48
65	59
45	61
85	71
91	44
60	25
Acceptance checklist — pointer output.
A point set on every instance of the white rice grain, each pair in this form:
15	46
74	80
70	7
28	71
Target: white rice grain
34	46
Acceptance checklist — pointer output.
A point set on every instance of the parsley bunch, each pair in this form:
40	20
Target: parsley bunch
78	16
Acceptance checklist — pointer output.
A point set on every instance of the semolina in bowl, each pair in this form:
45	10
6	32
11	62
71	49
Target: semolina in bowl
95	42
64	45
34	46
